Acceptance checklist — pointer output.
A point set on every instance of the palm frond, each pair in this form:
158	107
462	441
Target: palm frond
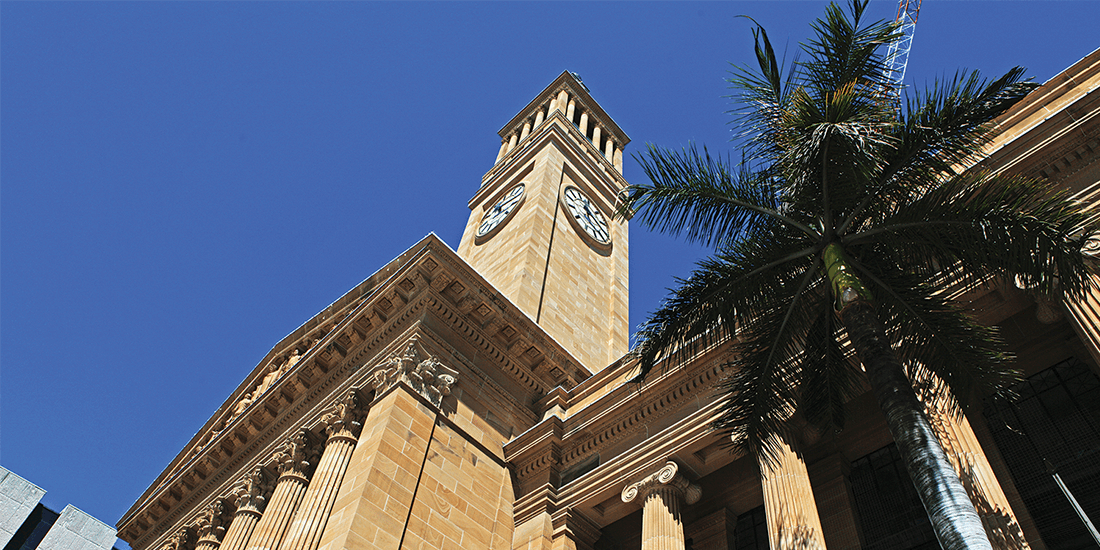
760	394
721	296
703	198
830	378
763	98
933	335
980	226
940	130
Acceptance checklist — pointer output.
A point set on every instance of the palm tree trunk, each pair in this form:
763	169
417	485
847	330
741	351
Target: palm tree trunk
954	519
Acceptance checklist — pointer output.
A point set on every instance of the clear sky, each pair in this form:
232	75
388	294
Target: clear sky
183	184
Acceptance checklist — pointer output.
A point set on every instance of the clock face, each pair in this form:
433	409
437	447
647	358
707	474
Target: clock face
500	211
586	216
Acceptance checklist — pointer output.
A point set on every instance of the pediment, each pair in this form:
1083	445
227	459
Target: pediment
426	319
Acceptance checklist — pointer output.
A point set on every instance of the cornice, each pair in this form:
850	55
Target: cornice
589	160
433	281
600	490
579	93
349	301
619	413
527	352
1049	123
308	382
678	403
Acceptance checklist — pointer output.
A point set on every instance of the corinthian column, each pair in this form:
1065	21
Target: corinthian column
343	426
663	494
789	503
250	505
210	528
291	485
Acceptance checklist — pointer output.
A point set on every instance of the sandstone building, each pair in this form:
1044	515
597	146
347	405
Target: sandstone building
478	398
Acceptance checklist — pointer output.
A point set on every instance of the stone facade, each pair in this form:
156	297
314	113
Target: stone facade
479	399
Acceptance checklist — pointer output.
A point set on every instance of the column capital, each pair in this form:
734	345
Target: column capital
293	459
668	477
251	492
184	538
210	527
344	420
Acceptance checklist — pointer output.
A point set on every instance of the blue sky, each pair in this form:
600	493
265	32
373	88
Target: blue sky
183	184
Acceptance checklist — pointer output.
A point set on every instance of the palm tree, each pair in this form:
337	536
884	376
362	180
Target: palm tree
843	222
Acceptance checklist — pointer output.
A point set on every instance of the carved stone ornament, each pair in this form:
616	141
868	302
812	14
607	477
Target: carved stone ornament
667	477
420	370
344	420
251	492
211	525
293	459
183	540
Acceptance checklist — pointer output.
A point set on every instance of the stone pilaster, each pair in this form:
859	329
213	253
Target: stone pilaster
210	527
377	494
664	492
343	426
835	502
374	503
250	494
789	503
293	466
573	531
961	446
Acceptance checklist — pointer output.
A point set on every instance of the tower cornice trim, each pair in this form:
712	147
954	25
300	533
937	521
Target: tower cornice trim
566	81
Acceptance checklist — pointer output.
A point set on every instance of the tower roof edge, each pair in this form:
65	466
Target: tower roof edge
576	90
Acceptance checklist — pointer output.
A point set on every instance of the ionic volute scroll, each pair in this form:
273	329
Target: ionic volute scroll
668	477
252	492
345	420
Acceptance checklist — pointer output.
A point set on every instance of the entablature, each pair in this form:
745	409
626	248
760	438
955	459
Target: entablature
464	329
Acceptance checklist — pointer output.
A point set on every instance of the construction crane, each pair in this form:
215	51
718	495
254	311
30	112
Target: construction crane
897	54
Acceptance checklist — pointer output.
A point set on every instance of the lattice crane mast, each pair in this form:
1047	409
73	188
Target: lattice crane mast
897	54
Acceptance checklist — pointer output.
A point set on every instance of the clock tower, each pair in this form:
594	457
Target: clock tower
542	227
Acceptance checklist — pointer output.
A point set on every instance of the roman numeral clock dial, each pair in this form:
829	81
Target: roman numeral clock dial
500	212
588	219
